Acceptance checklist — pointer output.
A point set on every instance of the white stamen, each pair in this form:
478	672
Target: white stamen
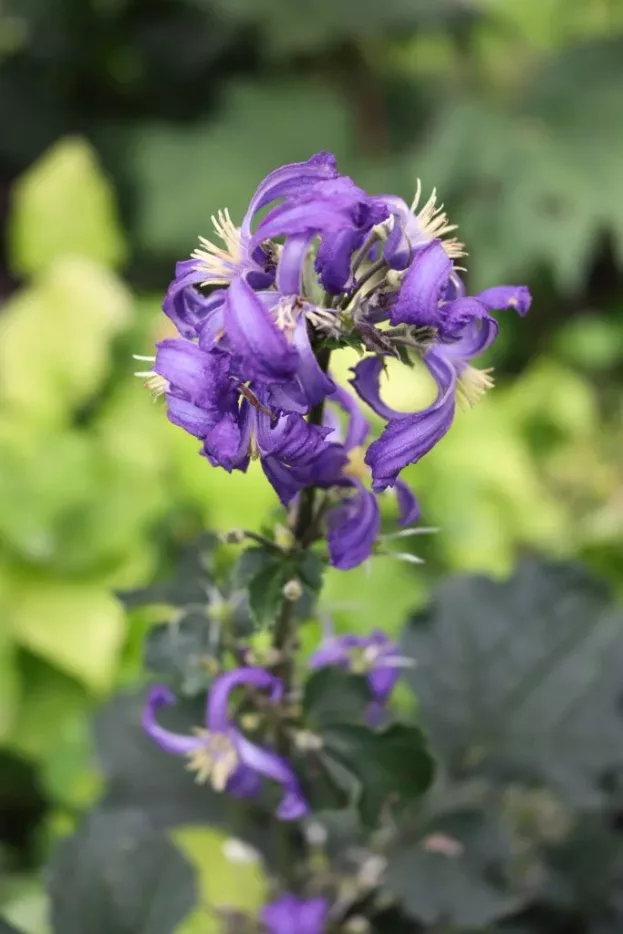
220	263
434	223
407	533
156	384
471	386
138	356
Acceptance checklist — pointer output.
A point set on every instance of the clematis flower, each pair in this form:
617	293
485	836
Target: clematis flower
376	656
354	523
432	296
293	915
214	266
219	752
337	210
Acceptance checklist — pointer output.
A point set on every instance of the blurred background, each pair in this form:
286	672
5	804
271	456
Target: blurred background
123	125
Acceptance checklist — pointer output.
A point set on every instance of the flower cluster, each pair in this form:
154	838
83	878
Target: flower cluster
327	266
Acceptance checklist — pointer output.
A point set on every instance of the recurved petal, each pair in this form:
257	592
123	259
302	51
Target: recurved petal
422	288
268	764
408	505
515	297
217	710
254	337
290	179
358	426
353	527
314	382
178	744
366	381
407	439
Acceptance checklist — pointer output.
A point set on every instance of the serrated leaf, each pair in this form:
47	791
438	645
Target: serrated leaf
63	326
522	676
77	626
452	875
64	205
117	874
332	695
393	765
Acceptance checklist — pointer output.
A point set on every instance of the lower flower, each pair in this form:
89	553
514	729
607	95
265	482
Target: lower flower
220	753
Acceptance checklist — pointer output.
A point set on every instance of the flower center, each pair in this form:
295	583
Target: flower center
218	263
472	384
217	759
356	467
156	384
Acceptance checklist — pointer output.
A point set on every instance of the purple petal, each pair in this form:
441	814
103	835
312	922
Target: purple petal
358	426
191	418
366	379
254	336
381	681
291	264
408	506
178	744
474	339
197	374
333	650
422	288
334	257
316	384
397	250
457	315
217	713
183	304
515	297
407	439
292	915
290	438
227	443
268	764
244	783
285	481
287	180
353	527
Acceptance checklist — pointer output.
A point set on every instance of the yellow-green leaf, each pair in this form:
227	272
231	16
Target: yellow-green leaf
55	338
230	876
64	205
78	627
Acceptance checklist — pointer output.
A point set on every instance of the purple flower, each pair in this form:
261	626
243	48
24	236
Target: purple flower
376	656
239	256
337	210
432	296
293	915
354	523
220	752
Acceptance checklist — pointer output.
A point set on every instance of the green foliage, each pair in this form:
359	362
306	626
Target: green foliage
64	206
514	676
118	874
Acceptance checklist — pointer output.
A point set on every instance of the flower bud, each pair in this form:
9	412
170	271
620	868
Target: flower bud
293	590
232	537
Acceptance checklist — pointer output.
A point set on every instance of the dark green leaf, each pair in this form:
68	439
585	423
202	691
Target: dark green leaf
453	874
332	695
189	583
183	652
523	676
265	592
393	765
6	928
117	875
250	563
